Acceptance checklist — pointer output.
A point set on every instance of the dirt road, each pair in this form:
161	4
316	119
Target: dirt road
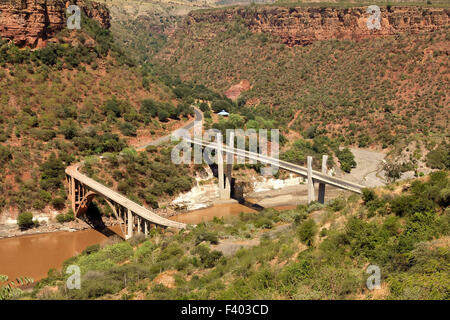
367	169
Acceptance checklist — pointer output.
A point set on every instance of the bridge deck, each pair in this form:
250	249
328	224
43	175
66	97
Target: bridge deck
120	199
317	176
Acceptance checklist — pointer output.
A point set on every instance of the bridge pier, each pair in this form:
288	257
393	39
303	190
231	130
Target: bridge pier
321	197
310	182
224	191
229	167
129	225
139	224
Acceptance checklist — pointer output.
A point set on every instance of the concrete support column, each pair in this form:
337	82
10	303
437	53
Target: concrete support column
229	167
321	197
129	224
139	224
72	195
310	183
220	165
146	229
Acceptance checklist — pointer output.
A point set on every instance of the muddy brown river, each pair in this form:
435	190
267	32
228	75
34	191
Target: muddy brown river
33	255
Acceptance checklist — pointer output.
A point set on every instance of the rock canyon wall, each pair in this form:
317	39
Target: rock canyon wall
32	22
302	26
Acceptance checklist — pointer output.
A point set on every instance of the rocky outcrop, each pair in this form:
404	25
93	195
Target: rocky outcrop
32	22
302	26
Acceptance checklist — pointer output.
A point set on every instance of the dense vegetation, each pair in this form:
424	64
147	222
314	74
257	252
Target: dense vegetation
80	95
312	252
145	177
380	91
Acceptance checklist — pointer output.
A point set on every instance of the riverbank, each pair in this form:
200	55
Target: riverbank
11	229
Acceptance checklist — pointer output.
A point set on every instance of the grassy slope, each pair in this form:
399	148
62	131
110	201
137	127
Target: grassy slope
378	90
296	258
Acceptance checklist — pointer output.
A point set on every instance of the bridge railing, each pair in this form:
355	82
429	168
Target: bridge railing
112	195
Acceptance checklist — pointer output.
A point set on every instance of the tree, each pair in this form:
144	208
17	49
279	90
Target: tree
112	107
5	154
150	107
25	220
346	159
128	129
219	105
306	232
163	115
52	173
368	195
58	203
393	171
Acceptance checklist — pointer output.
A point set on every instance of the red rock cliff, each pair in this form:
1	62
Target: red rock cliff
304	25
31	22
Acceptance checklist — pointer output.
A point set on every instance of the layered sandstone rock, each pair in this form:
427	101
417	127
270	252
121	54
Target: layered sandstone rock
32	22
301	26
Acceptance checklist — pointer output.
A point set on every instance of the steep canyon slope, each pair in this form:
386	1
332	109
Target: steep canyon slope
367	87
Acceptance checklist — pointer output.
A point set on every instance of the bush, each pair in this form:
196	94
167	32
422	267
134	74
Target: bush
296	272
69	216
206	236
264	223
25	220
58	203
91	249
346	159
368	195
52	173
127	129
306	232
5	154
163	115
439	158
208	258
408	204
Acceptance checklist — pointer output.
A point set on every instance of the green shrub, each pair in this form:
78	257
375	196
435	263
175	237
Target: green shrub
296	272
368	195
58	203
25	220
91	249
307	231
206	236
264	223
346	159
409	204
69	216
